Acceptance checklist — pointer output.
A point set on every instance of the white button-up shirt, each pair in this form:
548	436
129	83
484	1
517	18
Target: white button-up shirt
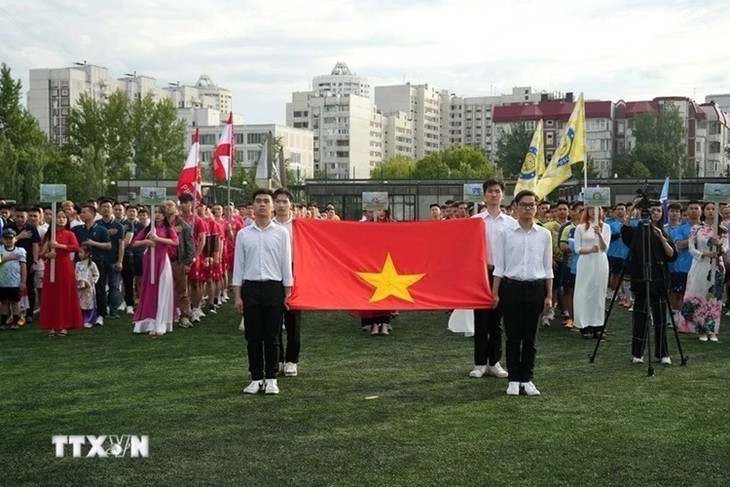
524	255
263	254
493	227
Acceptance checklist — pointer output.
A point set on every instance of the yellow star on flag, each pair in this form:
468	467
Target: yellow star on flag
388	282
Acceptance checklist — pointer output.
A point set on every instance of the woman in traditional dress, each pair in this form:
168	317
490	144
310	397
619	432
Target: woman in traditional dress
60	309
155	312
591	279
702	306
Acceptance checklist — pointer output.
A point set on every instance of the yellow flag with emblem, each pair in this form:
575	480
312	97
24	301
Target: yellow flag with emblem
572	150
534	163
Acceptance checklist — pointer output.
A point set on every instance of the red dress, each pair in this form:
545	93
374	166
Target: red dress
60	308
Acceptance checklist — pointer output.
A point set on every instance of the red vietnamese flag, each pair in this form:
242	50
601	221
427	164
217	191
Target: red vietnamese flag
223	155
190	179
386	266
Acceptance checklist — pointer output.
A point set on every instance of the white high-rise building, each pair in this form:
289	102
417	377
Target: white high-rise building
341	81
347	128
397	135
53	92
717	133
423	105
468	120
249	140
204	94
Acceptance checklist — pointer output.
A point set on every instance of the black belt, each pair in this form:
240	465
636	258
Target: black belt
518	282
261	282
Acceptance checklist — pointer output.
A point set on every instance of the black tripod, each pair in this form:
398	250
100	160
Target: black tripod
646	243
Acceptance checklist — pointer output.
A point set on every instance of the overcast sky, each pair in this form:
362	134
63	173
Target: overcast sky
263	50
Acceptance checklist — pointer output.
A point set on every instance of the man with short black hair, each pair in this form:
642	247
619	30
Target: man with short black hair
292	318
523	286
435	210
96	237
262	280
488	322
679	233
29	240
110	276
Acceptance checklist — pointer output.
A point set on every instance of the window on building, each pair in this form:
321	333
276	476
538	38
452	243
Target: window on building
254	138
714	147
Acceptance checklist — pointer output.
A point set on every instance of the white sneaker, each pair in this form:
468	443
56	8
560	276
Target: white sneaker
122	307
496	370
254	387
242	327
728	313
99	321
703	338
185	322
271	387
281	367
478	371
550	314
195	315
225	295
530	389
88	325
637	360
713	338
200	313
130	310
666	361
513	389
290	369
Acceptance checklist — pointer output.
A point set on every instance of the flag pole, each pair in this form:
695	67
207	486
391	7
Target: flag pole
230	164
153	266
53	239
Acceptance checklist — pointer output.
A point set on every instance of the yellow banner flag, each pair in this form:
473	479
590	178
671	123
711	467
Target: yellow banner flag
572	150
534	164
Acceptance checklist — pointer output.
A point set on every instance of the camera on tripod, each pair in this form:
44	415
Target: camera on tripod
648	197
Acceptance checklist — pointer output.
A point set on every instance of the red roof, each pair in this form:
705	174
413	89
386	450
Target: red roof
634	108
549	110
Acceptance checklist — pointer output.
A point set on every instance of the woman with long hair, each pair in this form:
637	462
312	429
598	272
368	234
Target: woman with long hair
702	306
592	237
156	309
60	309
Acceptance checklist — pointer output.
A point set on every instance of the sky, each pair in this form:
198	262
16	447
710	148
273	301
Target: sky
264	50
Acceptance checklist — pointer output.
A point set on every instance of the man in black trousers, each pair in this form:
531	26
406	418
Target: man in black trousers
523	286
262	280
488	322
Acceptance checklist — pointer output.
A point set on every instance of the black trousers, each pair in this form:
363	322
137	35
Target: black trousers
263	304
30	288
128	279
658	311
522	304
488	334
293	326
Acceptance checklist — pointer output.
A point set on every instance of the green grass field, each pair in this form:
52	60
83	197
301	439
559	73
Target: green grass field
595	424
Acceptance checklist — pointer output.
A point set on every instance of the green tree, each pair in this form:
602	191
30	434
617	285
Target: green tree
24	148
461	162
511	149
432	167
661	143
395	167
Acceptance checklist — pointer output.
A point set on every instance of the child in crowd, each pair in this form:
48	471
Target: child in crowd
12	279
87	274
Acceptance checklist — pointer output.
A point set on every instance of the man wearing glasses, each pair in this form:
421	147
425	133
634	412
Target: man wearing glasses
523	286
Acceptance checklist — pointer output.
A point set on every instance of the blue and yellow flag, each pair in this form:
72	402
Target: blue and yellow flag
572	150
534	164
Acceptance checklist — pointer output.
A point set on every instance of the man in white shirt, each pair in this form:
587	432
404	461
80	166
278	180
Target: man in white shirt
262	280
292	318
523	285
488	322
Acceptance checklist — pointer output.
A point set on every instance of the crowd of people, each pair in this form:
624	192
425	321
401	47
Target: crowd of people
544	260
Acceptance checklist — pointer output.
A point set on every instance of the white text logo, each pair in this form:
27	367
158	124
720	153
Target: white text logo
103	446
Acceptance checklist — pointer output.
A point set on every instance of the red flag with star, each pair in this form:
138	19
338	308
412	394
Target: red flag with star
384	266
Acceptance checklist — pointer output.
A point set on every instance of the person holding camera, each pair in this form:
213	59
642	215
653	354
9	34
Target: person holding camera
661	250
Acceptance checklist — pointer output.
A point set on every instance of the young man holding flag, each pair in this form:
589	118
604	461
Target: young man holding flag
488	322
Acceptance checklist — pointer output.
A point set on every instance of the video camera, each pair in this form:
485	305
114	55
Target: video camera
647	198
